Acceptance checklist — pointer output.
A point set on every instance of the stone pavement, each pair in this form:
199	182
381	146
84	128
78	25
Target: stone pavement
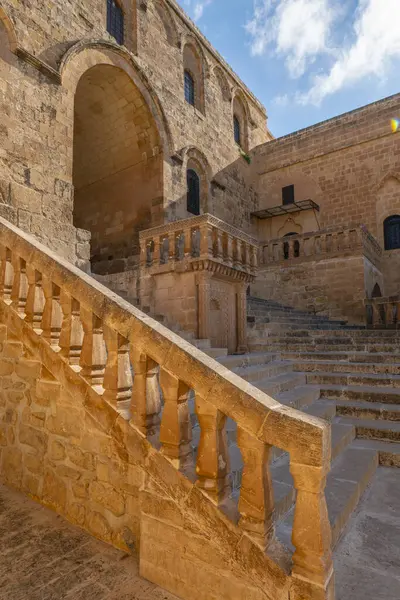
368	557
43	557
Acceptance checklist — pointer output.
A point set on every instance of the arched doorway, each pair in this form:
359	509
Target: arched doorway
117	165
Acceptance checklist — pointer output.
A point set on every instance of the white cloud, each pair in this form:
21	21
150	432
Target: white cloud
377	43
282	100
299	30
199	8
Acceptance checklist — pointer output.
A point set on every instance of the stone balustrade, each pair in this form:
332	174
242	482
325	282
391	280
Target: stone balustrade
383	313
143	373
198	239
320	244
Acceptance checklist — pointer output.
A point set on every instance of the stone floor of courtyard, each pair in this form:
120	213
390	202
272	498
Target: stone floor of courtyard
43	557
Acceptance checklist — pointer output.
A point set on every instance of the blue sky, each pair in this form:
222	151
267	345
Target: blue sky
306	60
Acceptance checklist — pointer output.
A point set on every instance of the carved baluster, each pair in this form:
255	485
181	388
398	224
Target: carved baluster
145	401
246	256
35	300
52	315
212	466
144	253
188	238
149	253
206	241
164	250
290	249
156	251
229	250
253	258
196	238
281	249
389	314
256	502
219	245
176	428
93	356
172	236
180	246
312	560
71	337
118	374
20	288
7	275
237	256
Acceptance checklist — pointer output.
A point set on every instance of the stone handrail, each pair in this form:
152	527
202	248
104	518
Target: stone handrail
383	313
320	244
125	357
197	239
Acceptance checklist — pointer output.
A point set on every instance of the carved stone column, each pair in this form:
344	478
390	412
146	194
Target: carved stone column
203	310
241	316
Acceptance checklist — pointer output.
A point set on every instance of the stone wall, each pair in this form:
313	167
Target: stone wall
332	286
44	52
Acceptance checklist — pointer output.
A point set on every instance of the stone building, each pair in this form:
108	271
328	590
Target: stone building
131	155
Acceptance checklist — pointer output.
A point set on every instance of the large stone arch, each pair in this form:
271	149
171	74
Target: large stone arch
121	144
10	29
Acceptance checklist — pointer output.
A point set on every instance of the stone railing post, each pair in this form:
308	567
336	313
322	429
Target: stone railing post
241	295
93	355
118	375
204	290
145	400
71	338
8	275
229	250
19	292
219	244
256	502
52	314
35	300
312	574
206	241
176	428
212	466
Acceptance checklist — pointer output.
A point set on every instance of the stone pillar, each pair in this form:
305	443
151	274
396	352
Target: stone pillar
312	574
241	317
203	309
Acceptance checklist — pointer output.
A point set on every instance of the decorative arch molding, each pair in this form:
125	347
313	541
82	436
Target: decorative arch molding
190	40
169	22
387	177
10	29
87	54
223	83
290	226
191	152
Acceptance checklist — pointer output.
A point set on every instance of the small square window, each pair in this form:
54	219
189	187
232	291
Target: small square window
288	194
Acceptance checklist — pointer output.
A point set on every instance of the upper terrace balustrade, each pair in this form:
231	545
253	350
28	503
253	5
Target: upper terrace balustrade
192	241
383	313
318	245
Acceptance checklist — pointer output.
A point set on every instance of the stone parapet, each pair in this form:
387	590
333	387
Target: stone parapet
109	363
314	246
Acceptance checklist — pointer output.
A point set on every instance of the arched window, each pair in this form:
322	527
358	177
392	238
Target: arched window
391	227
236	130
193	192
115	21
190	95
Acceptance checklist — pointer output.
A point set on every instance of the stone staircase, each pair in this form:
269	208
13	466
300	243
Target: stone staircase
344	374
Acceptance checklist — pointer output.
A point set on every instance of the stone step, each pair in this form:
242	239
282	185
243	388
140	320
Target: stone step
373	429
337	366
216	353
367	410
257	373
365	379
300	397
304	346
233	361
381	395
389	452
281	383
323	409
297	327
345	357
349	477
345	333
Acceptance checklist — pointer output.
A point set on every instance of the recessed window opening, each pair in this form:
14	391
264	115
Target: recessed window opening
190	95
288	194
391	227
193	192
236	130
115	21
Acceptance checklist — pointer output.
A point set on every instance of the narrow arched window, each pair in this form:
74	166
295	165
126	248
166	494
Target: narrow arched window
115	21
391	227
190	95
193	192
236	130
